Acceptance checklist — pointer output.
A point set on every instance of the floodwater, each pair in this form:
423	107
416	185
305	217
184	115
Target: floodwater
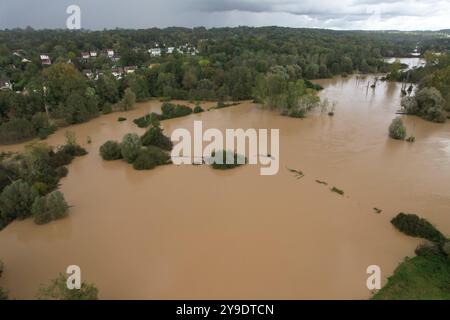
191	232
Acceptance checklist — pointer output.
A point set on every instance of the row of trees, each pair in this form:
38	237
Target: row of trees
231	65
29	182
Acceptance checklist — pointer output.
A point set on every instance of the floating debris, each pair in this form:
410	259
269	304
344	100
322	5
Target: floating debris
337	190
297	173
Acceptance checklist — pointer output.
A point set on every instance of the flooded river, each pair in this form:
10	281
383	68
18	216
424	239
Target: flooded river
191	232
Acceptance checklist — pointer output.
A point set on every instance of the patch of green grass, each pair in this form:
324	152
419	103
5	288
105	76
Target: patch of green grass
418	278
337	190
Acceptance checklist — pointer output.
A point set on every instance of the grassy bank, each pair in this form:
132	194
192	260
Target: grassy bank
419	278
425	276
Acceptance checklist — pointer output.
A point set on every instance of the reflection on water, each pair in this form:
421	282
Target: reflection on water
193	232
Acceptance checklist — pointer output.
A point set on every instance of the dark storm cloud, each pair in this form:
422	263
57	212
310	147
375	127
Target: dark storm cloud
342	14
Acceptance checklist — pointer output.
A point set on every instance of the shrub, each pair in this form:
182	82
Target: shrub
130	147
170	111
121	119
155	137
397	130
149	119
16	130
412	225
16	201
49	208
58	290
198	109
225	162
149	158
409	105
427	250
431	105
337	190
111	150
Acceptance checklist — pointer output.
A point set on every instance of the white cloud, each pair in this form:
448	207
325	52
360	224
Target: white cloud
342	14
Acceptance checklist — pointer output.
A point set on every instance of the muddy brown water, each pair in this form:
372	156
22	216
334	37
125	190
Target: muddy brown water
191	232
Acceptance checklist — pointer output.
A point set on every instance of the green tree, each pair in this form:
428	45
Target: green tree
49	208
16	201
397	130
154	136
130	147
128	100
58	290
110	150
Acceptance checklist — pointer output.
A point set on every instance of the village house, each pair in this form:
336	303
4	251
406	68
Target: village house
155	52
88	73
85	55
130	69
170	50
110	53
25	60
5	84
45	60
117	72
93	54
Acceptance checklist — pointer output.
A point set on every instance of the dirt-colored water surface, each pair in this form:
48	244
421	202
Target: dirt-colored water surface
191	232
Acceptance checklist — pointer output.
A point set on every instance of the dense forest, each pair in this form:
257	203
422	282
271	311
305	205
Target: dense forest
52	78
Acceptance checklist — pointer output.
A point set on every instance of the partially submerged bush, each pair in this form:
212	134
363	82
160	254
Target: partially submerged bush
130	147
412	225
170	111
149	158
397	130
16	201
198	109
225	159
111	150
337	190
155	137
49	208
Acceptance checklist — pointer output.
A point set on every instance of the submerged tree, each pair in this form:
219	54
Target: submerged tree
397	130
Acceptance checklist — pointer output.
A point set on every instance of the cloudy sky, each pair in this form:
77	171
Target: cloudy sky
333	14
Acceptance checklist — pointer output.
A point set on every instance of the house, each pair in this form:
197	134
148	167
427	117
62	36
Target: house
117	72
153	65
25	60
110	53
45	60
170	50
88	73
93	54
5	84
85	55
155	52
130	69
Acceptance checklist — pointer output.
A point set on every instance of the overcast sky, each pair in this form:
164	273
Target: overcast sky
333	14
